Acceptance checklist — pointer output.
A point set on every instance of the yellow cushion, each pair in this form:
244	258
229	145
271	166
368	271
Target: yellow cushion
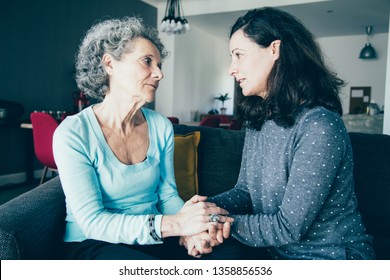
186	164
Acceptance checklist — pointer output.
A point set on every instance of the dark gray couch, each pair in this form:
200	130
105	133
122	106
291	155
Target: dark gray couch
31	225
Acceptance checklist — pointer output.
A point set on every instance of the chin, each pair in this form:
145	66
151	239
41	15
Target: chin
253	93
247	93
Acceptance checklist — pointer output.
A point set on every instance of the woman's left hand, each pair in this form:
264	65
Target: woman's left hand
196	216
220	234
214	228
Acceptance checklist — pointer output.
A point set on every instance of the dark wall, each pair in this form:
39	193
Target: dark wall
39	40
38	43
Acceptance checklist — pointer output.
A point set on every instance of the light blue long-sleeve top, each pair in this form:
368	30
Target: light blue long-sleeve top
106	199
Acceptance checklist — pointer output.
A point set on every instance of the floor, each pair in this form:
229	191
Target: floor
8	192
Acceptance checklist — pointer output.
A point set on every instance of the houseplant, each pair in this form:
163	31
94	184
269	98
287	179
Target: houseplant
223	98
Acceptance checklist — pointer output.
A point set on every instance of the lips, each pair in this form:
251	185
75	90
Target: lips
154	85
240	80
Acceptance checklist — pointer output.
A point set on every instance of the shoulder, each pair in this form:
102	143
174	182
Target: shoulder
321	126
319	118
156	119
74	126
153	115
159	125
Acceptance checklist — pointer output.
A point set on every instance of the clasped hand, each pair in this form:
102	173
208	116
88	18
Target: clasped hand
204	241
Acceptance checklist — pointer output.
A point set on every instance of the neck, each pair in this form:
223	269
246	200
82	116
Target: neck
114	114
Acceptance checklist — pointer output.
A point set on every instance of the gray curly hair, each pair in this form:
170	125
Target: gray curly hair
114	37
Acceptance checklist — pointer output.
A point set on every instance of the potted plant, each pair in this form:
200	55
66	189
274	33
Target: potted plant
223	98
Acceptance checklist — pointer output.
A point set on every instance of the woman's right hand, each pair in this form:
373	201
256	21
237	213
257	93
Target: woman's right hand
198	244
203	243
193	218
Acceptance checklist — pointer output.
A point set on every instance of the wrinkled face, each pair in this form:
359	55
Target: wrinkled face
137	74
251	64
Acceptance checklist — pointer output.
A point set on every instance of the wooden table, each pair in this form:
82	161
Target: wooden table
26	125
221	125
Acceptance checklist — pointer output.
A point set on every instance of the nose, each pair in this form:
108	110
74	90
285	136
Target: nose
232	69
158	74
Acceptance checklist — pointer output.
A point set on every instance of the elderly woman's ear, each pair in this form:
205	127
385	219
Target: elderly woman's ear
107	63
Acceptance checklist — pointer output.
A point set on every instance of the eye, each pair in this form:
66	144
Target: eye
236	54
147	60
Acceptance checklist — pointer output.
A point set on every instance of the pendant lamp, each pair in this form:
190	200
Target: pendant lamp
368	51
174	21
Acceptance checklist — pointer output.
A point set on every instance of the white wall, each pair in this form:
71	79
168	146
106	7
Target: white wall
196	71
342	53
201	73
200	70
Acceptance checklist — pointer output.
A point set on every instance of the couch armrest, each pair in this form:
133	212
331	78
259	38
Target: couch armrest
32	225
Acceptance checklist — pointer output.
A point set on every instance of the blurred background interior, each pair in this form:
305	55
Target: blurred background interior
40	39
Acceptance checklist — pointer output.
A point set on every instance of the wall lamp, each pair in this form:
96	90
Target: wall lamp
368	51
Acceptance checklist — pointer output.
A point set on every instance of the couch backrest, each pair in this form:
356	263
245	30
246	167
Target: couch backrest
219	157
371	154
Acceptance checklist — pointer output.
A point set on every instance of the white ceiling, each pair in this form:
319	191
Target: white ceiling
324	19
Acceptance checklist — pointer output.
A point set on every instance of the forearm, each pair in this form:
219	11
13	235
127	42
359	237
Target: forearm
235	201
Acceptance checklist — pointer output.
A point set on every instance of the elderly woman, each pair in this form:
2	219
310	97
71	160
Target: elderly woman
115	158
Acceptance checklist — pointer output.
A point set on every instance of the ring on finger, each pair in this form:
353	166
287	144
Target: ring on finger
214	218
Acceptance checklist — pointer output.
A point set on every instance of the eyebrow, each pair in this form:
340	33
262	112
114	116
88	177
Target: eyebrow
235	50
150	55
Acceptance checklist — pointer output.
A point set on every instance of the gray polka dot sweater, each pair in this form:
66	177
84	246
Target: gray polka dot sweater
295	191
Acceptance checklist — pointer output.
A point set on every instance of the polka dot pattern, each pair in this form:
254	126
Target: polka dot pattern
295	191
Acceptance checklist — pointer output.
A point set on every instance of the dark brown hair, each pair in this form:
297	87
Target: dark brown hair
299	76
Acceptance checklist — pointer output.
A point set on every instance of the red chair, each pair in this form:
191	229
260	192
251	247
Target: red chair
174	120
224	119
210	121
235	125
44	126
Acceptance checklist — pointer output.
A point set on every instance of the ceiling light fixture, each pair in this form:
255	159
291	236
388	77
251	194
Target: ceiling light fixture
368	51
174	21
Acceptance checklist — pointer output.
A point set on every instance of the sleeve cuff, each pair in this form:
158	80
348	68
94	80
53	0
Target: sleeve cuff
157	225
